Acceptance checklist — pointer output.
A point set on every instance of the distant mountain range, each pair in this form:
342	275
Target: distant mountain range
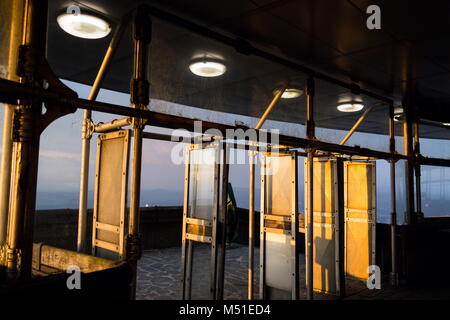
161	197
154	197
69	199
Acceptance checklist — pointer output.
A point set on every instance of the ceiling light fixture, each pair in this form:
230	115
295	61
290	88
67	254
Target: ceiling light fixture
351	106
398	114
84	25
207	68
289	93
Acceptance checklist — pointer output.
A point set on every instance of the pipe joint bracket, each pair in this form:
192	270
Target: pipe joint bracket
133	247
23	124
87	129
140	92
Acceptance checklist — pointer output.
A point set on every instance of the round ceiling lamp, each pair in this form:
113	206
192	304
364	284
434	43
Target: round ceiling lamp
289	93
398	114
83	25
398	117
207	68
351	106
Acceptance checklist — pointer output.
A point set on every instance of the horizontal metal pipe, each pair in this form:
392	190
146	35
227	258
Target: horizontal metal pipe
205	139
172	138
10	91
433	161
117	123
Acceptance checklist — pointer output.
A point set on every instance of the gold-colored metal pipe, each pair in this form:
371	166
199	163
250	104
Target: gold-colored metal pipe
26	150
139	98
309	240
115	124
272	104
10	39
356	125
86	134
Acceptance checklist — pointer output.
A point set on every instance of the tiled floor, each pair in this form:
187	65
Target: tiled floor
159	278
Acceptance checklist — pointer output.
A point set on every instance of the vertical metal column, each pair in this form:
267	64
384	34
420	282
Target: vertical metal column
251	205
12	16
251	225
394	272
186	246
26	143
416	151
310	132
409	237
139	99
221	231
409	167
86	133
340	182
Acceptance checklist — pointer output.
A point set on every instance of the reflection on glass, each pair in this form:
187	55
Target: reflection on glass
439	146
201	271
383	191
201	184
278	259
435	187
400	191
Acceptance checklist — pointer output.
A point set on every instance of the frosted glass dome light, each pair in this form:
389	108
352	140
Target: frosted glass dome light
352	106
84	25
207	68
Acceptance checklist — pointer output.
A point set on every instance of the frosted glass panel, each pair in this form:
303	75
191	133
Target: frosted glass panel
400	191
279	176
383	192
435	191
202	183
278	261
201	271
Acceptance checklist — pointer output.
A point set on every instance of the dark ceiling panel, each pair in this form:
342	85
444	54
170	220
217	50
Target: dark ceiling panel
411	20
329	35
336	23
437	49
363	73
439	83
397	60
210	12
281	37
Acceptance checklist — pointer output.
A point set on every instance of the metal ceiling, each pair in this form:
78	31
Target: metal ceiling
411	48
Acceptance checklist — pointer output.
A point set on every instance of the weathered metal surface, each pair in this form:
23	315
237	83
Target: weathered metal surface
48	260
110	194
